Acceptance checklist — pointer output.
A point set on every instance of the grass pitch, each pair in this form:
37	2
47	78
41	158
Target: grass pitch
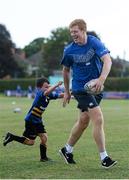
18	161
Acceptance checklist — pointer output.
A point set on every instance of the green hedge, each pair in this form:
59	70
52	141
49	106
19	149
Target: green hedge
12	84
111	84
117	84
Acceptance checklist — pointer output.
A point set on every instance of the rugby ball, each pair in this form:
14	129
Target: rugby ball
90	87
17	110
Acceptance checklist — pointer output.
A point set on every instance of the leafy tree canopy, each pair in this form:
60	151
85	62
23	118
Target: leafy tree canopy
35	46
8	65
53	49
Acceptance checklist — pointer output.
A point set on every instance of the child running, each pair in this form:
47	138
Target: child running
34	125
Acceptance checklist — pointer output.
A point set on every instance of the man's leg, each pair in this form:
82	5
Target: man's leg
78	128
99	136
98	131
75	134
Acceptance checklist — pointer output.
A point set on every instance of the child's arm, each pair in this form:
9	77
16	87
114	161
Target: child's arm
52	88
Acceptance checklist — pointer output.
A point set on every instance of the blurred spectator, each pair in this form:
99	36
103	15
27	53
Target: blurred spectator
8	92
18	91
30	92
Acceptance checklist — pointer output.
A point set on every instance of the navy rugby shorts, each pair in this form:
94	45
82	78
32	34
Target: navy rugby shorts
86	101
33	129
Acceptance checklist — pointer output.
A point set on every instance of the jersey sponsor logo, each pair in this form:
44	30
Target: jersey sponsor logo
42	108
91	104
84	58
87	64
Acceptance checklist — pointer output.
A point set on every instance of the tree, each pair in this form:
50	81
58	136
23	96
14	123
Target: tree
52	51
120	68
8	65
35	46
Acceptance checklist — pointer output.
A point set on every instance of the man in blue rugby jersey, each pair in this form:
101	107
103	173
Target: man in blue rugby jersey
88	59
33	121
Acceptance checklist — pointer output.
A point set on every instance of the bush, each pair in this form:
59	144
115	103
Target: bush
117	84
12	84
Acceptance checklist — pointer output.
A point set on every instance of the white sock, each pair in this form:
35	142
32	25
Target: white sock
69	148
103	155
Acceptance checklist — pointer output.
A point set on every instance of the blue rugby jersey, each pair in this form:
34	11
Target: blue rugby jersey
84	60
39	105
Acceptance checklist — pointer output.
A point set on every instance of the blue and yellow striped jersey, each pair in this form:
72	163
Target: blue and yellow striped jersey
39	105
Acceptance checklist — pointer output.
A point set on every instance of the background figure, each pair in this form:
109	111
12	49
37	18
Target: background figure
30	92
89	59
33	121
18	91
